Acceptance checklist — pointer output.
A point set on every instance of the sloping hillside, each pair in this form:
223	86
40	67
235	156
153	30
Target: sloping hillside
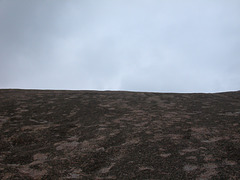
118	135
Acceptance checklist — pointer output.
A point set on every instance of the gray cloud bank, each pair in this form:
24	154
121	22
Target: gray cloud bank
140	45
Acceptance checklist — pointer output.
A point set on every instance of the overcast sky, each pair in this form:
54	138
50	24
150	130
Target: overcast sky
136	45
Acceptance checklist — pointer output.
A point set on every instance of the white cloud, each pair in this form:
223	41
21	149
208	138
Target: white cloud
177	46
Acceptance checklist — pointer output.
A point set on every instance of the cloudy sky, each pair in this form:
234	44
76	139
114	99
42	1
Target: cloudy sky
136	45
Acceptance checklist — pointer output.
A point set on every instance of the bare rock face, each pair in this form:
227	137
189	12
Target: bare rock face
119	135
